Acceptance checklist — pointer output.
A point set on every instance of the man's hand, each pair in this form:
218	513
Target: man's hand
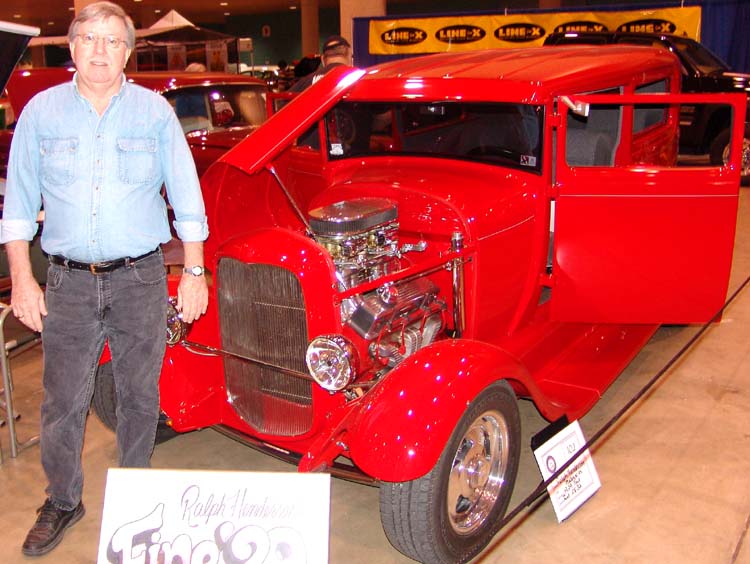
192	297
192	293
26	297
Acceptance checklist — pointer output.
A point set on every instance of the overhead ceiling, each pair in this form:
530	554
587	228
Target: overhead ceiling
54	16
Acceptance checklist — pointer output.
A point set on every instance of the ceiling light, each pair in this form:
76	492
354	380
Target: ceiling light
227	13
223	3
157	11
17	16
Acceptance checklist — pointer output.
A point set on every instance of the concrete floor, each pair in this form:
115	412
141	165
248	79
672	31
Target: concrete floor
674	470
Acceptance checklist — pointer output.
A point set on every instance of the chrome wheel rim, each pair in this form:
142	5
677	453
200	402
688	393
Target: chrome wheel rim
478	471
745	161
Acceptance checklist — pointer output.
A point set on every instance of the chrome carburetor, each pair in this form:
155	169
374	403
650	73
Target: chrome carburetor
361	235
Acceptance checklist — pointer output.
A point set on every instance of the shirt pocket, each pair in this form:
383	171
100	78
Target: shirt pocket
58	160
137	159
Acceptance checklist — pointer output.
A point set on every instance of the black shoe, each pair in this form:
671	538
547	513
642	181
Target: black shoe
49	528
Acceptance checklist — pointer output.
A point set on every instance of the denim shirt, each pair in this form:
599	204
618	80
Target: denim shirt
100	177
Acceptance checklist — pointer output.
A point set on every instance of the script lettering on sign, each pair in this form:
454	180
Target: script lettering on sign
155	516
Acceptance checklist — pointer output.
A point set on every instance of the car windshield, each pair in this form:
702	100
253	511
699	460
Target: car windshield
211	107
700	57
495	133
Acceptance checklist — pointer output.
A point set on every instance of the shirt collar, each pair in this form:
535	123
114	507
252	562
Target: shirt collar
117	94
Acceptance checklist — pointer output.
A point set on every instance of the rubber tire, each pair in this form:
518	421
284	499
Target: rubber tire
414	514
104	404
716	153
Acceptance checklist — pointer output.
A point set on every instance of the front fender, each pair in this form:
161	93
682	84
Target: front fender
407	419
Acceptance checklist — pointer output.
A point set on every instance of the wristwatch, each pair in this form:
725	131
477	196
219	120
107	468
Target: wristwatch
194	270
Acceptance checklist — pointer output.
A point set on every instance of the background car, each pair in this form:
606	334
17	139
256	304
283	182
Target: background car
216	110
704	130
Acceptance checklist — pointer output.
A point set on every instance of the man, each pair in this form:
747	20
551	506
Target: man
96	152
336	52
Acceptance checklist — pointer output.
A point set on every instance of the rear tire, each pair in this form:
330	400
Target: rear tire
104	404
448	515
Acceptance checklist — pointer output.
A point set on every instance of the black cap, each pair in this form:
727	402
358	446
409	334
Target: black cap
334	41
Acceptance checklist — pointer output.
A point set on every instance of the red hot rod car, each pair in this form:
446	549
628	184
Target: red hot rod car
399	254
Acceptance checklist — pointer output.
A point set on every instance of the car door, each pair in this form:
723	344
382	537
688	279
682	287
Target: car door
636	242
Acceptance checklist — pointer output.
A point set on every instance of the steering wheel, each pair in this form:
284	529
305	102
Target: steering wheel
495	151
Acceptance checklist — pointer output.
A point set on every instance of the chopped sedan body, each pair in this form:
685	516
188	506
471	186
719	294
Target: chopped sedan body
400	254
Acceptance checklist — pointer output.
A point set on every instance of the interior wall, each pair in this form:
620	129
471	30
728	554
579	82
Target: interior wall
278	35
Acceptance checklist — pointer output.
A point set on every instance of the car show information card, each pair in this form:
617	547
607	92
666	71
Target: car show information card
579	481
214	517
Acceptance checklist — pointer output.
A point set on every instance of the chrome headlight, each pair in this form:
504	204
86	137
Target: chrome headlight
332	361
176	328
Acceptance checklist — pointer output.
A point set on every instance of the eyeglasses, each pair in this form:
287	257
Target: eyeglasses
110	41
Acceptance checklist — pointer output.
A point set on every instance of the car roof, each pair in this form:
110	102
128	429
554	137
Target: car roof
530	74
162	80
533	76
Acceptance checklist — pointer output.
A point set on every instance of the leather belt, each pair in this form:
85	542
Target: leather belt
98	267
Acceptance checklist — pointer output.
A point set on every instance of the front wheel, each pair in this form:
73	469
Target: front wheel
719	153
447	516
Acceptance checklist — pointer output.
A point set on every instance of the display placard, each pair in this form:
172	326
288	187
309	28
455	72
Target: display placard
214	517
579	481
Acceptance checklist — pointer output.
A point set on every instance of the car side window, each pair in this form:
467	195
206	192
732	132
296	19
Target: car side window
645	116
591	140
192	110
492	133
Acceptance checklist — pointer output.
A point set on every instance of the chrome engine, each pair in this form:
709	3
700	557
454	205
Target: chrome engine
398	317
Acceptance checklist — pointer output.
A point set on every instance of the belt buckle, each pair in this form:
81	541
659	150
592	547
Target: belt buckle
93	268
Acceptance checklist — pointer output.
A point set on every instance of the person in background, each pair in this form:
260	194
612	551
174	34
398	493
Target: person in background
96	150
336	52
195	67
285	76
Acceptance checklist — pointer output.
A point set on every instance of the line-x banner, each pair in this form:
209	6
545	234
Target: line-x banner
467	33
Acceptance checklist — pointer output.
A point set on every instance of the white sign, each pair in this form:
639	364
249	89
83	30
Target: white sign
579	481
214	517
245	44
176	57
216	56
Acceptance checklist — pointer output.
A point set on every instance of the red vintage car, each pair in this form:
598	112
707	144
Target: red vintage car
400	254
216	110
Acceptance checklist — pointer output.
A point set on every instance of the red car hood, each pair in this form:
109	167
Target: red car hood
13	41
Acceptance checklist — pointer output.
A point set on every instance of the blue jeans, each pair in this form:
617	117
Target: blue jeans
128	308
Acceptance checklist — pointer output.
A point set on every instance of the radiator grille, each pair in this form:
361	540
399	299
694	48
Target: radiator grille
262	316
